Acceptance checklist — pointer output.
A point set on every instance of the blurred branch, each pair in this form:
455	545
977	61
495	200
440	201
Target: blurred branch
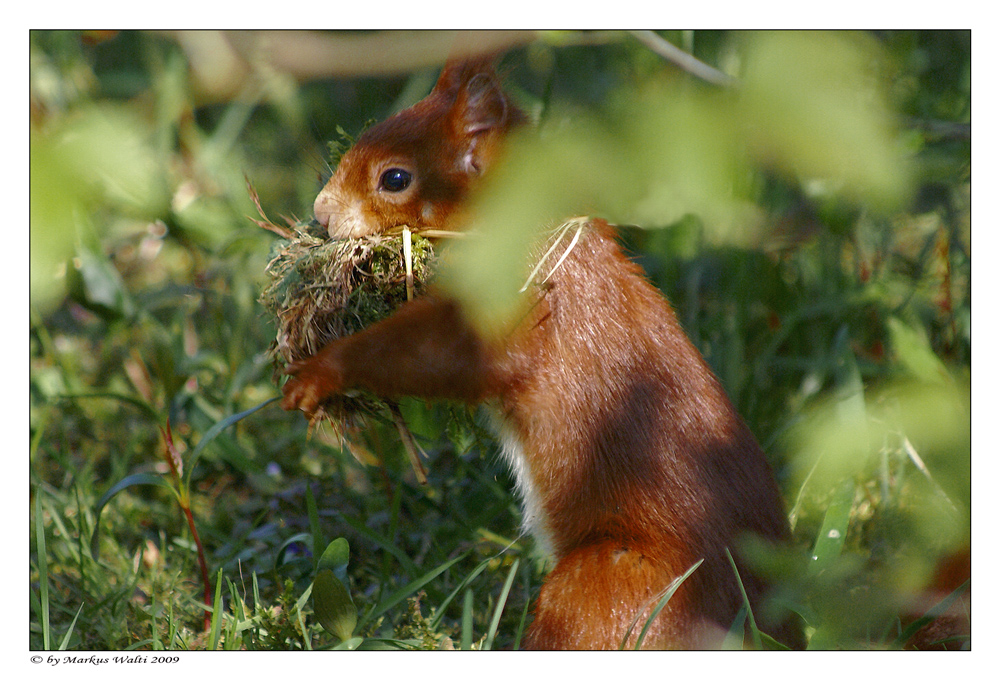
682	59
310	54
223	59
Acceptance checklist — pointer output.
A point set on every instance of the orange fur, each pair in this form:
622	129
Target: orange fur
631	461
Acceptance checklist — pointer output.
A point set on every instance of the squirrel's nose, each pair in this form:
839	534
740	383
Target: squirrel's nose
342	219
322	211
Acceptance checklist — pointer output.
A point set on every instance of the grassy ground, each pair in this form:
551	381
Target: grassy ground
843	337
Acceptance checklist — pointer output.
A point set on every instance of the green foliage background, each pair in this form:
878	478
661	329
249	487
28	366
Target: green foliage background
810	224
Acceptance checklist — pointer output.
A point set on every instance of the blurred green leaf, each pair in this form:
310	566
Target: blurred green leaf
683	154
93	281
107	153
914	352
814	105
55	201
101	157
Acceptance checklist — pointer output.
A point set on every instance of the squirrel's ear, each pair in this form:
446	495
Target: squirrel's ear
479	119
478	103
481	105
479	113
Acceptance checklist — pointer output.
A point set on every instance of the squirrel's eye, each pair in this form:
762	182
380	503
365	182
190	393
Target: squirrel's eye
395	179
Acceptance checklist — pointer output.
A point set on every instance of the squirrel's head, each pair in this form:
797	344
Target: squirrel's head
416	168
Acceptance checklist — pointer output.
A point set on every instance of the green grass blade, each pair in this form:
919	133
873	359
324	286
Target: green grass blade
290	541
139	403
214	431
154	630
664	599
932	613
233	634
833	532
520	625
734	639
407	590
217	614
385	544
131	480
501	601
300	617
43	569
441	608
467	621
171	625
754	632
138	645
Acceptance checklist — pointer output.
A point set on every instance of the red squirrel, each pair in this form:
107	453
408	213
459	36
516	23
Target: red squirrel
631	462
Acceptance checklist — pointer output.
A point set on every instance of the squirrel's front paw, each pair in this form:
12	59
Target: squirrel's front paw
312	381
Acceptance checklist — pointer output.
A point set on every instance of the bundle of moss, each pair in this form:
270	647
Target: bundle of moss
321	289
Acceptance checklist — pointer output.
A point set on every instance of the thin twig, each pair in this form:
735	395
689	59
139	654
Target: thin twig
682	59
283	232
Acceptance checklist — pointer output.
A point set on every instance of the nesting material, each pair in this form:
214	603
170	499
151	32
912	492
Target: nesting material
321	289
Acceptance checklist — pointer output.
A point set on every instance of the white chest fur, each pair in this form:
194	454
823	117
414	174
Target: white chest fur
533	516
